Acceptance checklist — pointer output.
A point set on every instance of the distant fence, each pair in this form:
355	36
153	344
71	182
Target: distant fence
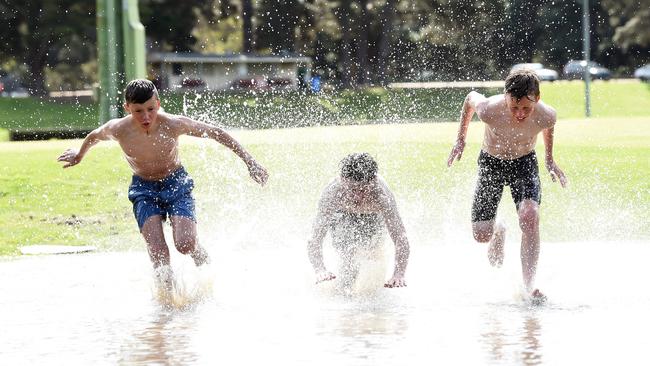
32	135
73	96
447	84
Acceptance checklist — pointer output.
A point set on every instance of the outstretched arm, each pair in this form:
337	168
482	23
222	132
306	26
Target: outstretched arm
470	106
556	172
200	129
73	157
315	244
398	234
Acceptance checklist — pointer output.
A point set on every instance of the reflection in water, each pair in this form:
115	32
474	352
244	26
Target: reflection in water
513	335
532	353
165	340
361	323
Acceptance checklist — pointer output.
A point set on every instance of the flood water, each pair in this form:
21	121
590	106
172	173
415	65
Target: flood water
258	305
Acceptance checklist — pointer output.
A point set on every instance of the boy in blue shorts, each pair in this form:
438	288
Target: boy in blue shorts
160	186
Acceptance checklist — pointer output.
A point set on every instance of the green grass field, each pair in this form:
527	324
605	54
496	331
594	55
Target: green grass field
607	161
373	105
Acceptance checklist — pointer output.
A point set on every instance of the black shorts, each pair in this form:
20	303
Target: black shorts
521	174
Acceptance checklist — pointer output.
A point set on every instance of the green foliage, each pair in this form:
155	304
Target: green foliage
170	23
631	19
220	37
43	33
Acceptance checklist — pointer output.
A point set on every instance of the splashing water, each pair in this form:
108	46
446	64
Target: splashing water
184	288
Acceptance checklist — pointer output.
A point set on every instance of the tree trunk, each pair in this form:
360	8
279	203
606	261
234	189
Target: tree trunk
362	44
247	18
345	60
386	20
36	45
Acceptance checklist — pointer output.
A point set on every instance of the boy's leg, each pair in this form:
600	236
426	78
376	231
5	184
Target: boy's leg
526	192
152	231
529	222
185	239
487	195
494	234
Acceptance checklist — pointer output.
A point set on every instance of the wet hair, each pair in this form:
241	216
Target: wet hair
360	167
522	83
139	91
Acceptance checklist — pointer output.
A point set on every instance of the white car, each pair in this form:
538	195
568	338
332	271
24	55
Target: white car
542	72
643	73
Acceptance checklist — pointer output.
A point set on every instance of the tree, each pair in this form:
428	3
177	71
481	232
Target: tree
346	66
630	20
169	23
37	33
277	25
247	17
387	16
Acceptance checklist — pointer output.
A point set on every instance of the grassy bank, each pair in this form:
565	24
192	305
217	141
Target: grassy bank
374	105
33	113
606	160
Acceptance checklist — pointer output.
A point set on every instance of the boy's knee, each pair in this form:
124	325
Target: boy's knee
482	236
186	245
528	216
483	231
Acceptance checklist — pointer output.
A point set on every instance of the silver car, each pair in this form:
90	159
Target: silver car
542	72
575	69
643	73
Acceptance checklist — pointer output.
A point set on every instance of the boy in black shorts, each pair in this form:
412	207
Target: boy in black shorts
513	121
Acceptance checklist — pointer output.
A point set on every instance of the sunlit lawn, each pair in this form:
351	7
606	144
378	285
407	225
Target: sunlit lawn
606	160
259	110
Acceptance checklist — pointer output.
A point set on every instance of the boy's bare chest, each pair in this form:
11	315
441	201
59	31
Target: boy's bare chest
508	130
152	147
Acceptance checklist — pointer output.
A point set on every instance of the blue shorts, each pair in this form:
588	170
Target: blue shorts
171	196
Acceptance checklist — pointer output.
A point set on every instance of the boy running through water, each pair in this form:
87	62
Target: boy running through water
355	206
512	122
160	186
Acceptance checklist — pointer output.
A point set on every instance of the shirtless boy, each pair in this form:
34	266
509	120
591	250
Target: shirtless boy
354	206
512	122
160	186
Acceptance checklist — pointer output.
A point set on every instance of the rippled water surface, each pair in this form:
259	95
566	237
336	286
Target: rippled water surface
259	305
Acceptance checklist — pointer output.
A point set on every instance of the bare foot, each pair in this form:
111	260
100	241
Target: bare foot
495	248
537	297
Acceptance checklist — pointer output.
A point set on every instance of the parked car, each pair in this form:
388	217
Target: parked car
575	69
542	72
643	73
256	83
193	83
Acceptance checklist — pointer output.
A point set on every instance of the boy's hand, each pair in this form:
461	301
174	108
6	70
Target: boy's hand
258	173
396	281
71	157
456	152
556	173
324	276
